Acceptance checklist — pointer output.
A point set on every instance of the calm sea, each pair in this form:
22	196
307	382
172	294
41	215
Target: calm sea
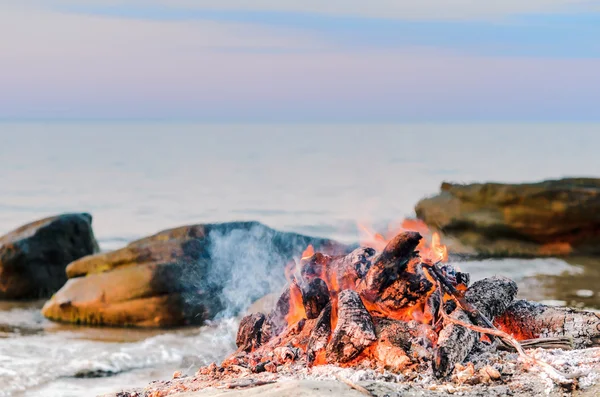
137	179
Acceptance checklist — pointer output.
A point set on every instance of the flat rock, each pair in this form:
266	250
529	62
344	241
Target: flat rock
33	257
550	218
180	276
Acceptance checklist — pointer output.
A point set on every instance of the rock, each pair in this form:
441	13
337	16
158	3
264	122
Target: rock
550	218
33	257
180	276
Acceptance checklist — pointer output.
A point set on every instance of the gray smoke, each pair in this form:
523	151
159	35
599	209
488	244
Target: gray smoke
240	262
248	265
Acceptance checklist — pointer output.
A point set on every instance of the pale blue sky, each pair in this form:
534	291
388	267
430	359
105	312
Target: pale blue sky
267	60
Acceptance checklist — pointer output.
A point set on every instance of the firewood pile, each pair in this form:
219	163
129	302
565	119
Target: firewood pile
400	313
402	309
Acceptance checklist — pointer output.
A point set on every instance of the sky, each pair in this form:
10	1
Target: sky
300	60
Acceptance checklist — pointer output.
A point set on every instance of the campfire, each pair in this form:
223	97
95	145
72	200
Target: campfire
402	308
397	306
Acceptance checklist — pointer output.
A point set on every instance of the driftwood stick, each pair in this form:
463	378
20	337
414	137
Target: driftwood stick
242	384
540	343
354	386
555	374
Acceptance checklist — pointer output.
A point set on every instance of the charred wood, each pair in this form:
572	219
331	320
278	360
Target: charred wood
390	263
250	332
314	266
354	330
454	345
530	320
341	271
489	297
410	287
319	335
492	296
315	296
414	339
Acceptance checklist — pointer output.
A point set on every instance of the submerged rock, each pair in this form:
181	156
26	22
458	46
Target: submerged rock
556	217
179	276
33	257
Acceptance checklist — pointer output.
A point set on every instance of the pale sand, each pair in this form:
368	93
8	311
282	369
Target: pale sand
299	388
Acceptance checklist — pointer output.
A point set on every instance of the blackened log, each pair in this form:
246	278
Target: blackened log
354	330
319	335
491	297
249	333
390	263
454	345
433	305
530	320
315	296
410	287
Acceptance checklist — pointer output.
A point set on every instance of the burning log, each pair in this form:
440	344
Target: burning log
410	289
315	296
354	330
529	320
341	272
250	332
391	263
401	344
319	336
491	297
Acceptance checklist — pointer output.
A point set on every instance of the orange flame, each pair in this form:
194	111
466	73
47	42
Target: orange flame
430	247
297	311
308	252
430	250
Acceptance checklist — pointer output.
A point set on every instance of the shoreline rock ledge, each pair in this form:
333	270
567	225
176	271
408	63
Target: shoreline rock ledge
33	257
180	276
549	218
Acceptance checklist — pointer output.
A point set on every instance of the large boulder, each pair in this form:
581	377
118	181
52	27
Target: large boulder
180	276
556	217
33	258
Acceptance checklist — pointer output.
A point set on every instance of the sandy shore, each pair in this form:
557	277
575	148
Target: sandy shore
329	388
